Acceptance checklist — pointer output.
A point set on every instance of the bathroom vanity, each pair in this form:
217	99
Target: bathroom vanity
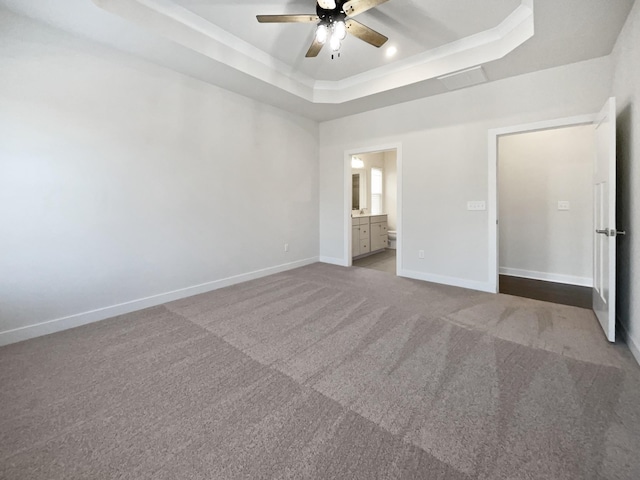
368	234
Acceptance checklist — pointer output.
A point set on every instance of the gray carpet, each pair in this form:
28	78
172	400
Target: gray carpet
328	373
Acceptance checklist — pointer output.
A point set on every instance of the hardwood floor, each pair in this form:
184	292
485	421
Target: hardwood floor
574	295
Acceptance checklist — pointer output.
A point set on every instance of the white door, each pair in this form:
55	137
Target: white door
604	265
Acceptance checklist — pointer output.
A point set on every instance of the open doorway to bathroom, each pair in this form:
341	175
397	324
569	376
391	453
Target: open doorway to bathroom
373	212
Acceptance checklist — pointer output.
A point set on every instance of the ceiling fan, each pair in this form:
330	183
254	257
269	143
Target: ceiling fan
334	19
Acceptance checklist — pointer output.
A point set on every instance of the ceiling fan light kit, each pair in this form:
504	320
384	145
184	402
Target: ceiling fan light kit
338	31
322	33
334	21
335	43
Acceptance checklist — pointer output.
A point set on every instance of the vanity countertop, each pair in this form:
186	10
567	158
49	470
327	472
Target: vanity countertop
360	215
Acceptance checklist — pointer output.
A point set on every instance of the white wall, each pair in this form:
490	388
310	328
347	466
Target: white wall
536	170
120	180
626	89
391	188
444	163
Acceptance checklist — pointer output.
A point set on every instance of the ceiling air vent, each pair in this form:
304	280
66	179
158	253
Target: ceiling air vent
464	78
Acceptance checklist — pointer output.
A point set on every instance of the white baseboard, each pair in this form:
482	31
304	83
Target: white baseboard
633	346
631	343
452	281
549	277
71	321
334	261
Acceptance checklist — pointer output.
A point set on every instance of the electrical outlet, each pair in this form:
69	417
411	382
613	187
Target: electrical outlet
564	205
477	205
421	254
286	247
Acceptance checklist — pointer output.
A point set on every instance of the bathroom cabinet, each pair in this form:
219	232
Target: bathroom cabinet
360	236
368	234
378	231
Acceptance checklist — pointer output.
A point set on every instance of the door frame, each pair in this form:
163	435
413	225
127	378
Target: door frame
494	135
347	198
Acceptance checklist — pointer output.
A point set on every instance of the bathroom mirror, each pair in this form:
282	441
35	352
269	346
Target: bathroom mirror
355	192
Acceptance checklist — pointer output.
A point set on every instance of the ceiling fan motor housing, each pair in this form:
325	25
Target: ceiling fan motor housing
330	16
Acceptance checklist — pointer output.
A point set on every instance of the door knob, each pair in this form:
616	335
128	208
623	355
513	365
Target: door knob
611	233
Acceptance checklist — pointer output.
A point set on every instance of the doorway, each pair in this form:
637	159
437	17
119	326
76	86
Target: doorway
605	231
545	211
373	222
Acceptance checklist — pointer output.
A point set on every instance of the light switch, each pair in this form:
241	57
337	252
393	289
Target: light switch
563	205
477	205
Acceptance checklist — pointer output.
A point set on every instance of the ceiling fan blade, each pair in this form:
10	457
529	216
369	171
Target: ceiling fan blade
365	33
287	18
356	7
314	49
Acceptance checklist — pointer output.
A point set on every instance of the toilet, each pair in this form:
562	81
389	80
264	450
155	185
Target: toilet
392	236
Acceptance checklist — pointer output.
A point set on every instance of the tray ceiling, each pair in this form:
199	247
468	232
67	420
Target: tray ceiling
221	42
413	27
